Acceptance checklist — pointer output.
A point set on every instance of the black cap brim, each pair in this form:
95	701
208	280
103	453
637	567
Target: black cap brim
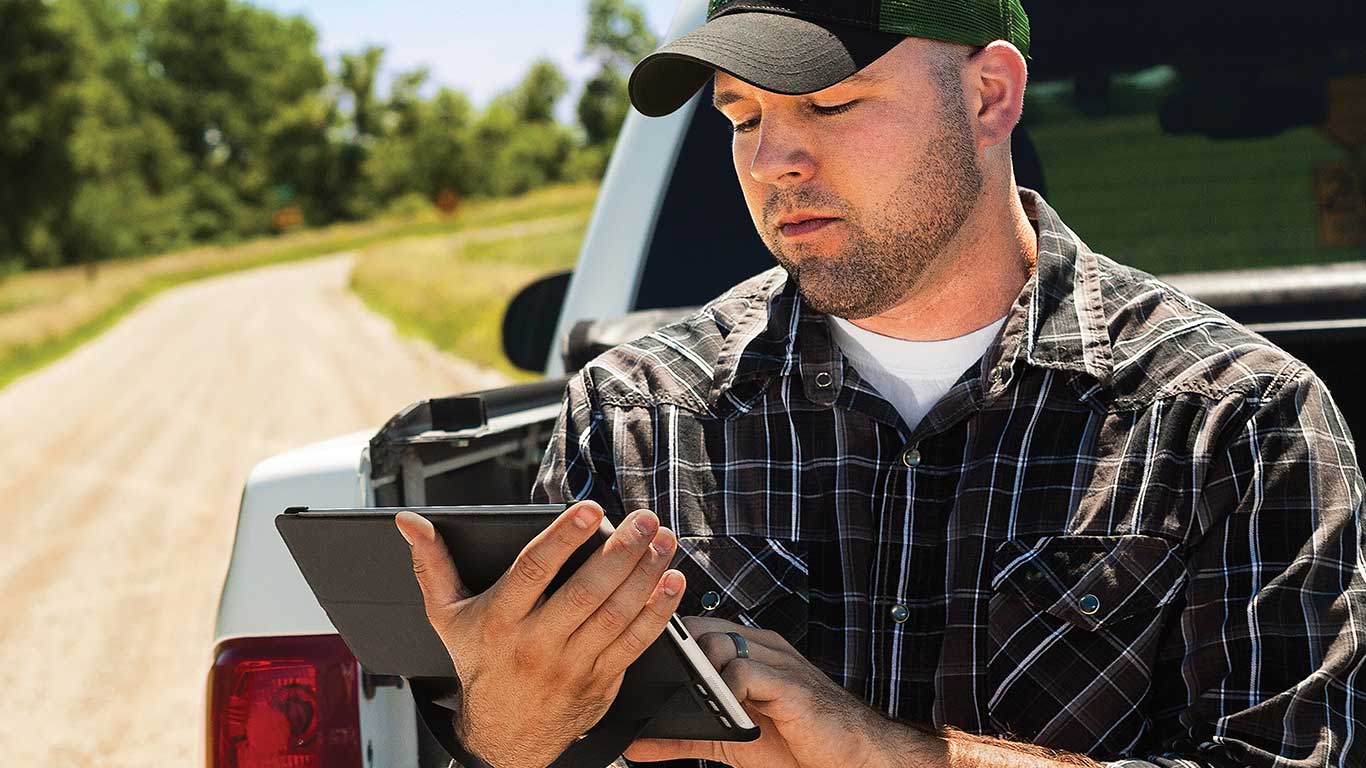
772	51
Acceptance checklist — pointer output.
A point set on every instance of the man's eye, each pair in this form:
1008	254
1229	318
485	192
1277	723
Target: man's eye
744	127
835	110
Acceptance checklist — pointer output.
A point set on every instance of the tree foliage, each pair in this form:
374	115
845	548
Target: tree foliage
135	126
617	38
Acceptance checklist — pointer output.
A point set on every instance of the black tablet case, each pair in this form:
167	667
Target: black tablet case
361	572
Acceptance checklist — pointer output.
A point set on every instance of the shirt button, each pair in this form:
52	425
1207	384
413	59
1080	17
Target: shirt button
911	457
710	600
900	613
1089	604
823	380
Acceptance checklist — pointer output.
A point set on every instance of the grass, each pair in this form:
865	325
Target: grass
45	314
452	290
1179	202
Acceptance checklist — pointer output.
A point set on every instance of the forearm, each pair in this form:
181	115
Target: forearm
914	746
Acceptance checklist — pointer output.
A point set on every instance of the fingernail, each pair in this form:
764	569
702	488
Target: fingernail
585	517
645	524
428	532
661	544
671	583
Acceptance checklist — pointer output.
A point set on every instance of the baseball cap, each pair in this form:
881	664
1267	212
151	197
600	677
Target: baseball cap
800	46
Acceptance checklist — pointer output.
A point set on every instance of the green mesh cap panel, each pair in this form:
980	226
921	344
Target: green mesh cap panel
970	22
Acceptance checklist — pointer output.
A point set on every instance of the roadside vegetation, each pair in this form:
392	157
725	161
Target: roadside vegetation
452	289
135	128
46	313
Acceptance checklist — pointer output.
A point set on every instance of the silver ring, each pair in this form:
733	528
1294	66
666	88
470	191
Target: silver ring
741	645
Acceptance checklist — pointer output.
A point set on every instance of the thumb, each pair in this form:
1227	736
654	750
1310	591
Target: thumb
436	574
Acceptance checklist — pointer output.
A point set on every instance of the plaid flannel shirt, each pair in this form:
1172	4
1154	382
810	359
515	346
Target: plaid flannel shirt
1132	530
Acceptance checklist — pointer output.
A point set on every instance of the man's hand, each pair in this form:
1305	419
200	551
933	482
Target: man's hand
806	719
538	672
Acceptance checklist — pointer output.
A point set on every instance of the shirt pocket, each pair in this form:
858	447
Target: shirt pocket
1074	625
751	580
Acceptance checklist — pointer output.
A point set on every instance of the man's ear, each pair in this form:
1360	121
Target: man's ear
998	74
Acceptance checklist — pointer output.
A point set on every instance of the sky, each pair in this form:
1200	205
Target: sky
479	47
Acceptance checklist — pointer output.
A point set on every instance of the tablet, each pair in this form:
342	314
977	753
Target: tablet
360	569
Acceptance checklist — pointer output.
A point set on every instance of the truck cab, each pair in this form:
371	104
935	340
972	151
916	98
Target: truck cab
1127	140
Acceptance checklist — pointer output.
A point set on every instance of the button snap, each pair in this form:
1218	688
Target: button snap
900	613
710	600
1089	604
824	380
911	457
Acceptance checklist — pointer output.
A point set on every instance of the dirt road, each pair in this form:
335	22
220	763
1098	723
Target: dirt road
120	469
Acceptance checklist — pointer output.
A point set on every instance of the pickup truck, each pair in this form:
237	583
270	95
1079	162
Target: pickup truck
1136	153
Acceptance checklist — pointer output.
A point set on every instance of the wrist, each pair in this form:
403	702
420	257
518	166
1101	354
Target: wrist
908	745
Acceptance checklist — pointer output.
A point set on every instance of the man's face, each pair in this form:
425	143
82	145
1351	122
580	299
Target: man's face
886	160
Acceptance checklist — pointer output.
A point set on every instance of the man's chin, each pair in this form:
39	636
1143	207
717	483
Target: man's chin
828	299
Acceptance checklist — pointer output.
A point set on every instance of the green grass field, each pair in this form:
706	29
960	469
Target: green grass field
45	314
453	290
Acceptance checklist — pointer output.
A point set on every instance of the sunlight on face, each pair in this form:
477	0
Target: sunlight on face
887	159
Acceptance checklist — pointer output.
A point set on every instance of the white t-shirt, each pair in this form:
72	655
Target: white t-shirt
911	375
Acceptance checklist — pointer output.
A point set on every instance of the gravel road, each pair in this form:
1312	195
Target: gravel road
120	469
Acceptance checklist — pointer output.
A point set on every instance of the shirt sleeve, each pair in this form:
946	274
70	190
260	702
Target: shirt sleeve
578	462
1269	648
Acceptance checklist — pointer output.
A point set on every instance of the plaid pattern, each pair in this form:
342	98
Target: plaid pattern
1131	531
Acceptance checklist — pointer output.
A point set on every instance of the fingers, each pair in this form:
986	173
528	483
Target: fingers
753	681
701	625
436	574
609	620
645	628
539	561
721	649
655	750
590	586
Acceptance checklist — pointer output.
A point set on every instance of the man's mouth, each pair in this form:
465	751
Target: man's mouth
806	226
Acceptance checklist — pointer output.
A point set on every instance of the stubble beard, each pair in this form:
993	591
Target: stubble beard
879	268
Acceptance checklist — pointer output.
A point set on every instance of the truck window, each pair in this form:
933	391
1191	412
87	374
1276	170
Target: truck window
704	241
1172	136
1179	136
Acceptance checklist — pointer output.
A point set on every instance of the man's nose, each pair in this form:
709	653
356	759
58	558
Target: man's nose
781	157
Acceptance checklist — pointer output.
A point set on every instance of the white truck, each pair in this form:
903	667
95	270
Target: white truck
670	230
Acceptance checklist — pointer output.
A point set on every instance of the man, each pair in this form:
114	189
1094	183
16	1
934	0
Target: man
966	492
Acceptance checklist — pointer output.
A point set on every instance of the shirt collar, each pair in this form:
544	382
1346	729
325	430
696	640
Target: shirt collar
1058	322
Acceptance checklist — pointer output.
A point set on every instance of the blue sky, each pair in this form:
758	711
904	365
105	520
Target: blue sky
478	46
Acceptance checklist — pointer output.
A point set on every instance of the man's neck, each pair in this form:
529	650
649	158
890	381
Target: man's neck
979	277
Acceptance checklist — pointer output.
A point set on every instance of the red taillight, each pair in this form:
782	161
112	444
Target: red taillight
284	702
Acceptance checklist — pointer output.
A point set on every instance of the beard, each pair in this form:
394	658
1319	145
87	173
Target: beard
879	266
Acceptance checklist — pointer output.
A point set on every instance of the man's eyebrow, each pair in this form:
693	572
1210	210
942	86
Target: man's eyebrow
862	77
724	98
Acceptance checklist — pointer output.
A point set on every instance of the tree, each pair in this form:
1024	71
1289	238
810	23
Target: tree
433	152
535	97
602	106
223	71
359	72
39	108
617	34
618	38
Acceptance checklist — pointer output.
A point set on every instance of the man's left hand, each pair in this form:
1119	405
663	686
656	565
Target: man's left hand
806	719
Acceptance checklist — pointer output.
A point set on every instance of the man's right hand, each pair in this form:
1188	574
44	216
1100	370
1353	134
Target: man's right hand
537	672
